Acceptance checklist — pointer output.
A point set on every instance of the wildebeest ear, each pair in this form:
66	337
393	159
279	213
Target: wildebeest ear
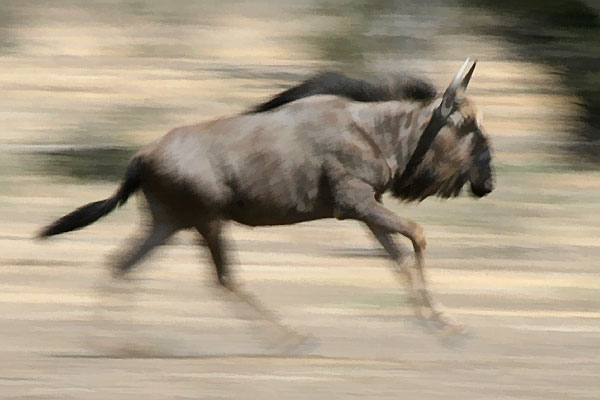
448	101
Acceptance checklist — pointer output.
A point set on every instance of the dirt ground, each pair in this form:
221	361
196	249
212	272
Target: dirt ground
532	313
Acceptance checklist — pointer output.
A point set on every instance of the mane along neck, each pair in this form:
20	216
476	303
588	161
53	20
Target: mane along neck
398	87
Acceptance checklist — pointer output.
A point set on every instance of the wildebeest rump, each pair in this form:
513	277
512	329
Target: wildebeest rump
329	147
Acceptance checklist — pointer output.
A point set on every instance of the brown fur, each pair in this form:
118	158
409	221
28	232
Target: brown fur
317	157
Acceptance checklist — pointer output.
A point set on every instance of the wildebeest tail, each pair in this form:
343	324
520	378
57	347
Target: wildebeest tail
92	212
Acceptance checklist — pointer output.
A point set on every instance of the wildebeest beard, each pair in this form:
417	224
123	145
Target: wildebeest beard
428	182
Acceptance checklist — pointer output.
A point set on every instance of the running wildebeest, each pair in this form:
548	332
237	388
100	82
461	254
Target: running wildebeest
327	148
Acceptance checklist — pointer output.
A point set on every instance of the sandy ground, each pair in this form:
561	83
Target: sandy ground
532	313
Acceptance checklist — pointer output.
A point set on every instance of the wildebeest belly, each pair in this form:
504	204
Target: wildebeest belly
278	199
252	214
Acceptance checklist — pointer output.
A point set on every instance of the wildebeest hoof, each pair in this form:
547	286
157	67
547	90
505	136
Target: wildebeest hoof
454	335
119	273
299	344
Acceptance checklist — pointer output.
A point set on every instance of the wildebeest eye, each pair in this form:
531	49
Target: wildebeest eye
469	125
481	150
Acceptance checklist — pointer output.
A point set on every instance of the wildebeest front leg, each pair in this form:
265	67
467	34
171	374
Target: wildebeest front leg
396	254
356	200
417	288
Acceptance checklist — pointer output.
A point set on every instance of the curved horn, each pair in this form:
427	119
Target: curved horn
457	78
450	93
467	78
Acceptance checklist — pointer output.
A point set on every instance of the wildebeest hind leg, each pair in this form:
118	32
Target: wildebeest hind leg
158	227
158	233
116	296
212	234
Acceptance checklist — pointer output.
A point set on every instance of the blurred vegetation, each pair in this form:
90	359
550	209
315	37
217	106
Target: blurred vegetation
105	164
564	34
7	41
377	27
101	150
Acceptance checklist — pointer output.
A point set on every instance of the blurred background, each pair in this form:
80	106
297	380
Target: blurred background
84	84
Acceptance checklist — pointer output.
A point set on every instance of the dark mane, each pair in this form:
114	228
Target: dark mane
335	83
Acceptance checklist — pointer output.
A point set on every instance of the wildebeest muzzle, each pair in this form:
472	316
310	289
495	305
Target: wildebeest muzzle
481	176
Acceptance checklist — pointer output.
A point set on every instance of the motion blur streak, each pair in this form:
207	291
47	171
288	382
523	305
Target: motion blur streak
85	84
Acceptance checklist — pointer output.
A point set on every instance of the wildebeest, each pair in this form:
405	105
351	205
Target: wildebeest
327	148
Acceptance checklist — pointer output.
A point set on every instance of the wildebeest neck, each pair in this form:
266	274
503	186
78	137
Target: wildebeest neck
395	127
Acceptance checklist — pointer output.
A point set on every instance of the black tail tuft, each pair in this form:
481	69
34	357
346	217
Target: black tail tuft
92	212
81	217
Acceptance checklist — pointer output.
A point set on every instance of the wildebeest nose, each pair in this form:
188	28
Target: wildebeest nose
488	185
484	188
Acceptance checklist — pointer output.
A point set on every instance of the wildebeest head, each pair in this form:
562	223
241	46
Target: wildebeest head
459	154
454	154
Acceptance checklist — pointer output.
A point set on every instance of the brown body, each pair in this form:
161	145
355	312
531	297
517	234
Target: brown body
281	167
317	157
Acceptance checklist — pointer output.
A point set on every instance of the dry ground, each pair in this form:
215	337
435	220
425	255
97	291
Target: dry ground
530	301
